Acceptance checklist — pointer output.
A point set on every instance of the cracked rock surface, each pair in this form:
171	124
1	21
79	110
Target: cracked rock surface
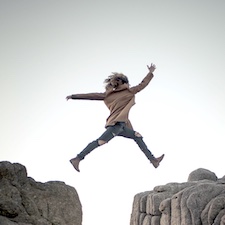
23	201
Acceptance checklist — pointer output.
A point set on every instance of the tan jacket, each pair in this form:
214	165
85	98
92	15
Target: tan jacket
119	101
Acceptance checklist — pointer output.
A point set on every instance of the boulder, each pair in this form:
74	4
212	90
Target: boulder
202	174
24	201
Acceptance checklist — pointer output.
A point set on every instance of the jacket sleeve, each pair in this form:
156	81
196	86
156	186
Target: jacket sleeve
143	84
89	96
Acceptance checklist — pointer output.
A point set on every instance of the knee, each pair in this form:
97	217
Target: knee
138	135
101	142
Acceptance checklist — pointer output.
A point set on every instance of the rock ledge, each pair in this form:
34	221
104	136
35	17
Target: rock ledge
200	200
23	201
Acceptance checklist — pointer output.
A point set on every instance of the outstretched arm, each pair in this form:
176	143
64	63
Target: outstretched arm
145	81
89	96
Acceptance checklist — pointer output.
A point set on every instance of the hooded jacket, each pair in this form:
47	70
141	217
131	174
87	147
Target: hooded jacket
119	100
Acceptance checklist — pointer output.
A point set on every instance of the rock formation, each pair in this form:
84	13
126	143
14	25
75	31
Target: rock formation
199	201
23	201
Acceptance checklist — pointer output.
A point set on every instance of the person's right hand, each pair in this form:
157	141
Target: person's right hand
68	97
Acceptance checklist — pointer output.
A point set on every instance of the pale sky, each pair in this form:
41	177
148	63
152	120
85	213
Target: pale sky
51	49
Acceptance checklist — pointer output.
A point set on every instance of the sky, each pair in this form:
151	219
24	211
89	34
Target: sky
51	49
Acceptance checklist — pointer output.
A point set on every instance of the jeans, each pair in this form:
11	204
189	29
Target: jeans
119	129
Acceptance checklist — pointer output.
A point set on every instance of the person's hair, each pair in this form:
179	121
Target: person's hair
116	78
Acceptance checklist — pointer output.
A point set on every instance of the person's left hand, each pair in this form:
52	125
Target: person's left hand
151	68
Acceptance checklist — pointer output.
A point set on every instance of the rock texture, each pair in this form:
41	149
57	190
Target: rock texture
199	201
23	201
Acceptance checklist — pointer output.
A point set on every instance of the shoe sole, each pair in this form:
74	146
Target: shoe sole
71	161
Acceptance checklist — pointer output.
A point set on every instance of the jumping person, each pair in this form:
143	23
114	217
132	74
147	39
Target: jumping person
119	97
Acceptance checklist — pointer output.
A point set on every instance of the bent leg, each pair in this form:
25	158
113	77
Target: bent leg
137	137
109	134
